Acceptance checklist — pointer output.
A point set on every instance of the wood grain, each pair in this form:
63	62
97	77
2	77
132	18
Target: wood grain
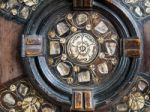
10	65
146	65
10	61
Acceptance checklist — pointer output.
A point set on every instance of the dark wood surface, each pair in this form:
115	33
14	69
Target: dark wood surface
146	64
10	62
10	65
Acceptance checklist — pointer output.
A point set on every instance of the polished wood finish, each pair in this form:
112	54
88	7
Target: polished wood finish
146	64
10	65
82	4
32	46
132	47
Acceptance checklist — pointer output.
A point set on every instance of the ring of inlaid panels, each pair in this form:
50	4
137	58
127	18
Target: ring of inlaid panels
83	48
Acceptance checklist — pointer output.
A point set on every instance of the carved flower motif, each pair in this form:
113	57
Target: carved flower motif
31	104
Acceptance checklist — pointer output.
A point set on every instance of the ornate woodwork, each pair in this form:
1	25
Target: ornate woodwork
77	55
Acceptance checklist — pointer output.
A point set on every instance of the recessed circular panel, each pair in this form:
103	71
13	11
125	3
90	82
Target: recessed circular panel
83	48
82	51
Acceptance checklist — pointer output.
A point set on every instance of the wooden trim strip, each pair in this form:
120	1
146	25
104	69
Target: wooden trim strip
82	4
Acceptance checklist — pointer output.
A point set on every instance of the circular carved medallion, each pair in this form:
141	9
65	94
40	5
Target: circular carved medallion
82	48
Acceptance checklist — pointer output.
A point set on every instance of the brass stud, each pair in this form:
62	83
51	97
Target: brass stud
95	15
64	57
34	8
13	88
88	27
19	103
50	61
101	55
73	29
70	80
114	61
41	100
52	34
92	67
62	40
101	40
14	12
76	68
69	16
134	89
2	6
146	97
125	98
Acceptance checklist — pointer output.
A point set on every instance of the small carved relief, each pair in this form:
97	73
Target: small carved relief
19	8
136	101
20	96
137	98
82	48
140	8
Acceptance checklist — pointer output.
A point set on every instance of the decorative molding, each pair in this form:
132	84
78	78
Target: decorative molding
132	47
32	45
82	4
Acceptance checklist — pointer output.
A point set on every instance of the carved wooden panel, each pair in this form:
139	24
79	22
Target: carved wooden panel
77	55
10	61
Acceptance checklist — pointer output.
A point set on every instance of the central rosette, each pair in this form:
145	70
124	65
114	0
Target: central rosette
82	48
